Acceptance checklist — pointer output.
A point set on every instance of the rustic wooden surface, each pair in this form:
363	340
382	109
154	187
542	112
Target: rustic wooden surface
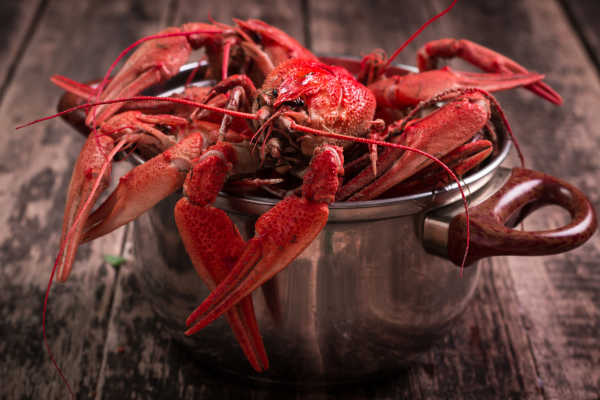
533	329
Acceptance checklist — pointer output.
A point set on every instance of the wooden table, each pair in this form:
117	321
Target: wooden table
533	329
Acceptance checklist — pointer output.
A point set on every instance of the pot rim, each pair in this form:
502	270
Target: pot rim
369	210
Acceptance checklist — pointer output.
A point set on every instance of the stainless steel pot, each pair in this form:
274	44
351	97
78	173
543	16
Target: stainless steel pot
368	294
362	299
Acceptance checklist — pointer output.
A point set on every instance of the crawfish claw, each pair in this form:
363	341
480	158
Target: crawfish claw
155	60
275	245
281	235
89	179
482	57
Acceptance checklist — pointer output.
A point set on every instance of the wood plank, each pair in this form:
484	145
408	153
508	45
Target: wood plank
19	19
142	358
558	292
477	359
584	20
486	354
34	173
520	295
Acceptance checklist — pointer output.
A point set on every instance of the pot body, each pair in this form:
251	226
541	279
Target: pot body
361	300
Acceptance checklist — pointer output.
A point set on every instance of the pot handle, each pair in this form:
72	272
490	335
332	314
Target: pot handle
492	220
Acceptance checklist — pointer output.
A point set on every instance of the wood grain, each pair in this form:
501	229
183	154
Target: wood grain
583	15
141	358
35	170
19	23
559	141
532	328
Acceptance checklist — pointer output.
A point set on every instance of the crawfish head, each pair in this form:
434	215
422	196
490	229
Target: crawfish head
315	95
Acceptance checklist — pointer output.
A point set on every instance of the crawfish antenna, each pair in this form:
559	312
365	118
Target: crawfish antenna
413	36
86	106
50	354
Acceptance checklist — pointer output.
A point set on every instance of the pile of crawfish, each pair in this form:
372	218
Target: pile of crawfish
275	120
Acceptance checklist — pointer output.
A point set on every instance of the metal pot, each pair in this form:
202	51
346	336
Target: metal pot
362	299
368	294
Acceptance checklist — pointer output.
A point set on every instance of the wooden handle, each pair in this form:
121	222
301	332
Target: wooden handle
526	190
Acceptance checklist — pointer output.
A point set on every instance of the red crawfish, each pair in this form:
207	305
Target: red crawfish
314	108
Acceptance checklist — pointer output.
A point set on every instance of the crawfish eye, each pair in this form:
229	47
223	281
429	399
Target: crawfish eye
274	93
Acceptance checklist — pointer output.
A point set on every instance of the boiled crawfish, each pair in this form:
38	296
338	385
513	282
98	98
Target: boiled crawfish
305	119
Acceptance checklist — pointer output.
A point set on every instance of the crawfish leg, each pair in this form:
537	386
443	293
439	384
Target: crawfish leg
437	134
398	92
236	97
230	83
461	160
482	57
281	234
144	186
239	89
154	61
214	243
